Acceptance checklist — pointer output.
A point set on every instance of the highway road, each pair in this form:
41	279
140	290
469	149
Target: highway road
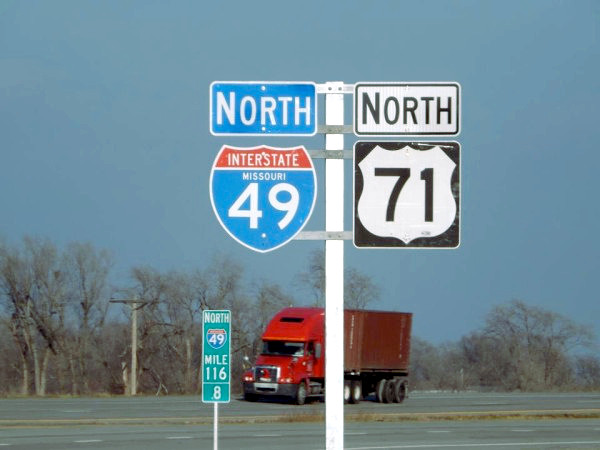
425	420
498	434
24	411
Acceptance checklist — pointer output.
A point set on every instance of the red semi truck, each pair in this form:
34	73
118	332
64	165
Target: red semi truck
292	361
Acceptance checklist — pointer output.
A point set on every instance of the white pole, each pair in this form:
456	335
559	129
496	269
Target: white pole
334	273
216	427
134	308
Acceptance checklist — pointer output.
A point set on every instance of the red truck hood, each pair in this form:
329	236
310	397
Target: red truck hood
279	361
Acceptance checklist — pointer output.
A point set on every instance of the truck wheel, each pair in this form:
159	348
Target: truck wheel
355	391
399	391
301	394
380	390
388	391
347	391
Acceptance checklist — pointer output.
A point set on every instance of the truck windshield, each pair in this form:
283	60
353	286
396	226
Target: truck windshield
283	348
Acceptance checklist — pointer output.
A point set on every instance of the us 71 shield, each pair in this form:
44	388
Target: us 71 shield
407	194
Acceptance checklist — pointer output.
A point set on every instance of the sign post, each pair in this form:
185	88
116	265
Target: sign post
334	272
216	355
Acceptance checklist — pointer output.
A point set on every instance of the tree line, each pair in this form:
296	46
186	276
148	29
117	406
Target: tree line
60	333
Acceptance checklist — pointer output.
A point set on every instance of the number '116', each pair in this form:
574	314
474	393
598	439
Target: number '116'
216	373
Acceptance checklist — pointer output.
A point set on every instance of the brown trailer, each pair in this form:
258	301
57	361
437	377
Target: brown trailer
376	354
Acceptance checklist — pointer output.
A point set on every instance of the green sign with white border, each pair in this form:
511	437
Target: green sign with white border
216	355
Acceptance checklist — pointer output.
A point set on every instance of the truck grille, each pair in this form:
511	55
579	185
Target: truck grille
266	374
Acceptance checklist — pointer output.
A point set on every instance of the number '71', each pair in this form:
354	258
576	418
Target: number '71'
403	174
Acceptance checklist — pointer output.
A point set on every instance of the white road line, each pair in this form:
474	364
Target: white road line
494	444
87	441
438	431
180	437
268	435
4	445
521	431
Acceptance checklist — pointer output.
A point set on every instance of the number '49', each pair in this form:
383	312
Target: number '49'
249	197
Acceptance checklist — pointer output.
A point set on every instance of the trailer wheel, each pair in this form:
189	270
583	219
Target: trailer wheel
356	391
301	394
388	391
347	391
399	391
380	390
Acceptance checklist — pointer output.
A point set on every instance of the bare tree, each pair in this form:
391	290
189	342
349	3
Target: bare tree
16	284
534	344
87	272
359	289
33	287
587	369
184	310
314	277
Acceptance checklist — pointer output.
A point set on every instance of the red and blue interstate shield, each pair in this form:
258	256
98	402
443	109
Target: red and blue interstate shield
263	196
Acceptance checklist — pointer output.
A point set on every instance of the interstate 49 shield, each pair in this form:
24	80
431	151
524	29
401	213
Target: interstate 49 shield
263	196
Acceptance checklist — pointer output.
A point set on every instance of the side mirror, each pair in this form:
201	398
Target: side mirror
318	350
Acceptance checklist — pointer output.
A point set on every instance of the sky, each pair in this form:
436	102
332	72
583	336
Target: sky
104	137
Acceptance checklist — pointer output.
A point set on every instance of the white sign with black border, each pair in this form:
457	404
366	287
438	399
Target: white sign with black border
406	194
407	108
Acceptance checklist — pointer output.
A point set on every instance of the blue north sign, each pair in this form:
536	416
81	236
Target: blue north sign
263	108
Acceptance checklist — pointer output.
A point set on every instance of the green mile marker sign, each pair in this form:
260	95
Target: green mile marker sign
216	355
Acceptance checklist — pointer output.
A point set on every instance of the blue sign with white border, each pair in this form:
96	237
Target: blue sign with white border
263	196
263	108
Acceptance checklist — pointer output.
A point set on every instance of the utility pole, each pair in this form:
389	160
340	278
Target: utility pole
134	304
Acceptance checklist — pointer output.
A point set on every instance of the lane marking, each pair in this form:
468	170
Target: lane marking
268	435
494	444
355	433
87	441
180	437
438	431
521	431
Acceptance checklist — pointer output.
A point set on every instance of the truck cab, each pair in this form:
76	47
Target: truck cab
291	362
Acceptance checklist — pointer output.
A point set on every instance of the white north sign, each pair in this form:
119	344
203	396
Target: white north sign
407	108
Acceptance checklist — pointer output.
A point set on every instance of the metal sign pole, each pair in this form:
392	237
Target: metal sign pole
334	272
216	427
